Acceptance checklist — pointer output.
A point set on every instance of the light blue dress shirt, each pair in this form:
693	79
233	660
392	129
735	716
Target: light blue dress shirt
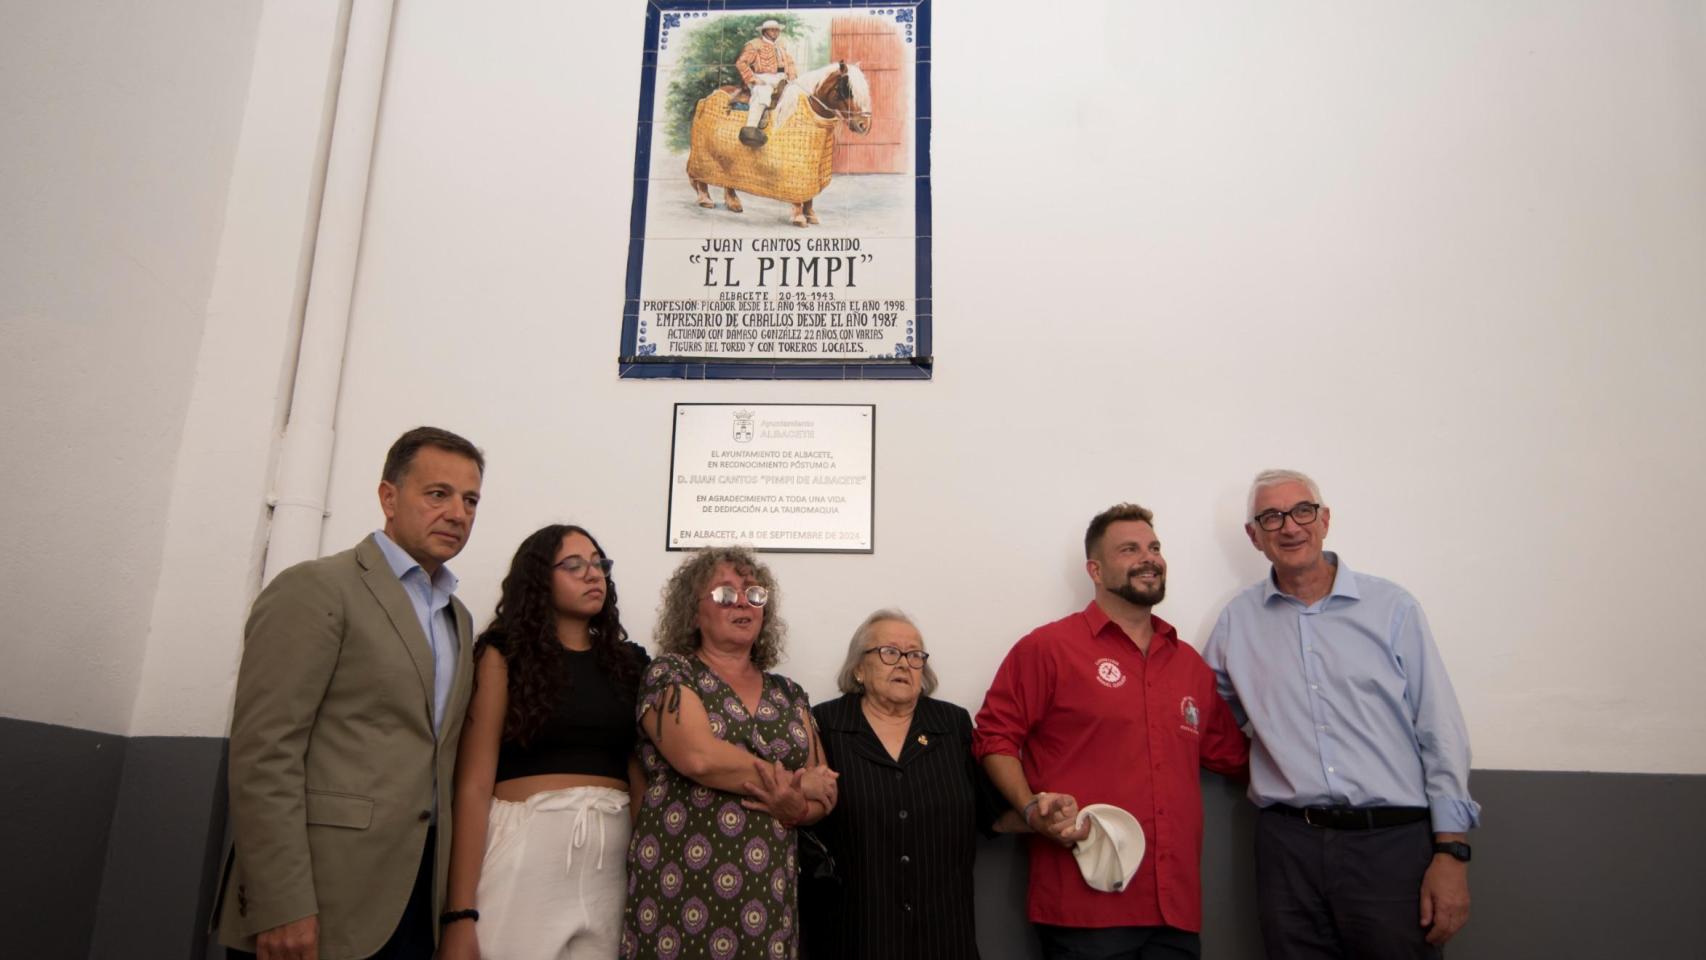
431	600
1345	700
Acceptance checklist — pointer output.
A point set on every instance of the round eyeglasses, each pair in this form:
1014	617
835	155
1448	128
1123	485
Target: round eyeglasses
892	655
1304	513
727	596
578	566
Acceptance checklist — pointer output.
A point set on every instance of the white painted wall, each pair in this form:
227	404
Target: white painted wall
1445	256
1448	257
120	127
217	518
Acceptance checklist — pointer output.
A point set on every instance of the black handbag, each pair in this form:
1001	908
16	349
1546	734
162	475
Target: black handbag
820	899
817	864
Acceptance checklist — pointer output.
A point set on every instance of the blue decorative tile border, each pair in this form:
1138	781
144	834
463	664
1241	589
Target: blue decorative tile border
913	358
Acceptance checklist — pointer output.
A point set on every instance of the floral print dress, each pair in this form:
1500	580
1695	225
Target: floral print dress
706	876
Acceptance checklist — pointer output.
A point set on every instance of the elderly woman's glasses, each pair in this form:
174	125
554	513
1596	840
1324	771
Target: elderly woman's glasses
727	596
578	566
892	655
1304	513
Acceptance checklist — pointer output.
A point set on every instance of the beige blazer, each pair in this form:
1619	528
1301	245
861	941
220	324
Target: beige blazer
333	763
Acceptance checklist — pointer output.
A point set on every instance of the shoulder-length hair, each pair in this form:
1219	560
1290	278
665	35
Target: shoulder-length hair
846	682
677	627
524	630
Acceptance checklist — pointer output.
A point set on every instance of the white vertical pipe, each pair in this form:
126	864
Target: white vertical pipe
305	456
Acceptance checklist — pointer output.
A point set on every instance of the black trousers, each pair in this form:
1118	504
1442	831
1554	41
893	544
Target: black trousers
1118	943
412	940
1328	894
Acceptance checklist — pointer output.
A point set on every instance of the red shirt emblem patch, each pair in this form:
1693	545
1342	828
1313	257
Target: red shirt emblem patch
1109	673
1190	715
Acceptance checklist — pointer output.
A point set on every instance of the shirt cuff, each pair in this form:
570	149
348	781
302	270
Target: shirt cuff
1451	815
987	744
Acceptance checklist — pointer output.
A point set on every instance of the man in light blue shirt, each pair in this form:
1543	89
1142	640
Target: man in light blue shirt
430	595
1359	755
356	674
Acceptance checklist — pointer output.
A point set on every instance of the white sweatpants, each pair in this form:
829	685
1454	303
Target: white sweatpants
763	87
554	877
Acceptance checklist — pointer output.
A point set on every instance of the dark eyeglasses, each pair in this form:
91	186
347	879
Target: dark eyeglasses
891	656
577	566
1304	513
727	596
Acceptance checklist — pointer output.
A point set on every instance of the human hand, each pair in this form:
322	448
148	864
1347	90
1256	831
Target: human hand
1056	817
296	940
777	793
460	941
819	783
1445	898
1052	808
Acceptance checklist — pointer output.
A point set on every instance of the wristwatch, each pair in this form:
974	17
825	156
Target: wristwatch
1459	851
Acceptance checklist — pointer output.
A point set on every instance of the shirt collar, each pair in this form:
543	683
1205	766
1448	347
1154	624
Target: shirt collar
1344	582
402	564
1099	621
844	714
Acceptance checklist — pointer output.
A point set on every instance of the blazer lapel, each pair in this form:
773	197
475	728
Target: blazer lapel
929	729
390	594
868	745
846	716
462	686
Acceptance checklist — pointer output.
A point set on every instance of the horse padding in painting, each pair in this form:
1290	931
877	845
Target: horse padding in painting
793	166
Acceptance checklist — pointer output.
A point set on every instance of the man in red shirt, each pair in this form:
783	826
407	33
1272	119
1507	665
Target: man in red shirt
1107	705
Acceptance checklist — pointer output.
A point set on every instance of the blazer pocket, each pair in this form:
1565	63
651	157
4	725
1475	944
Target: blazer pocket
329	809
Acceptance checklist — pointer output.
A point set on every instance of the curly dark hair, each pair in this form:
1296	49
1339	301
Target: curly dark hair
677	630
524	631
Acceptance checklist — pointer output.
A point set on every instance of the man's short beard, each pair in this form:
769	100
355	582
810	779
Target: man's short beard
1130	594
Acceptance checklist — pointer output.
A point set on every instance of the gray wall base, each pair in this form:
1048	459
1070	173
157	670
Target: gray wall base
56	803
1566	865
111	850
168	831
110	844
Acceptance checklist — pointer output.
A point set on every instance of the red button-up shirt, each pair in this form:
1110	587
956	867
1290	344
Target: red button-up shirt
1089	715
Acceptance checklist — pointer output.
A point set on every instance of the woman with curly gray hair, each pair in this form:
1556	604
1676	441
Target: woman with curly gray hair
733	765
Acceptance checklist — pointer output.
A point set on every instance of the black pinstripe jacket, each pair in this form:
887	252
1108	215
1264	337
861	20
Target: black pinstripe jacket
903	835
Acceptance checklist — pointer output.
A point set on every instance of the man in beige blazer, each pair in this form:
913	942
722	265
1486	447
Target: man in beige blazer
355	678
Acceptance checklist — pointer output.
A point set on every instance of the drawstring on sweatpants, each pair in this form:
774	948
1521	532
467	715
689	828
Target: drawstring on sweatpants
605	805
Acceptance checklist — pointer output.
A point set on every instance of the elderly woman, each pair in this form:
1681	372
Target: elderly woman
912	803
732	766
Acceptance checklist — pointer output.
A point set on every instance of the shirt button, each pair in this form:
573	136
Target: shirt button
1323	726
1314	687
908	907
903	814
905	859
1332	770
898	775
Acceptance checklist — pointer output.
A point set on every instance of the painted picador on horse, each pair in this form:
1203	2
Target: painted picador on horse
773	135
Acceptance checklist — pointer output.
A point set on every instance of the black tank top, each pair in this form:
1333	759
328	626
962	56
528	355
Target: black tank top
591	731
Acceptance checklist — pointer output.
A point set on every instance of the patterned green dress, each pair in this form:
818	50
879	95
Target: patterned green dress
706	876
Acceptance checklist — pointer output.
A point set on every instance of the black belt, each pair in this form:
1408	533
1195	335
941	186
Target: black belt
1353	818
